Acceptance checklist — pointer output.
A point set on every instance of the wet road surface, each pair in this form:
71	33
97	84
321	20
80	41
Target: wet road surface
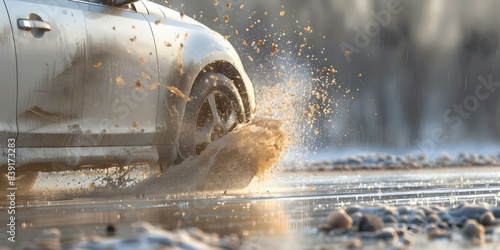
286	203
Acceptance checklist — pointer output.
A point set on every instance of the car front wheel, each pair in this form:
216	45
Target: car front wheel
215	109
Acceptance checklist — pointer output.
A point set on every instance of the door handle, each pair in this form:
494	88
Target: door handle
28	24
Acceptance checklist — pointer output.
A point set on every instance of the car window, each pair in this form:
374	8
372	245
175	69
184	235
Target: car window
103	2
108	2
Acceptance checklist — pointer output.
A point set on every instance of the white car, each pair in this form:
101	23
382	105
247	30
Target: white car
100	84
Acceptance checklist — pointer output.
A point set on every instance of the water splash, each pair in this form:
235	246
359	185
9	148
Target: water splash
228	163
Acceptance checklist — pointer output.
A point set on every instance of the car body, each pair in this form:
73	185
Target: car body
88	83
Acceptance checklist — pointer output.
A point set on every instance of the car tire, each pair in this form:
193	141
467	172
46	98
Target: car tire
212	93
24	181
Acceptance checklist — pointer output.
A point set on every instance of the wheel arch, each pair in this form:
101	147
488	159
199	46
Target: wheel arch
218	57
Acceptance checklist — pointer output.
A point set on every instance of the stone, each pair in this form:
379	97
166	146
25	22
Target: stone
433	218
354	244
388	219
487	219
416	220
339	220
369	223
473	231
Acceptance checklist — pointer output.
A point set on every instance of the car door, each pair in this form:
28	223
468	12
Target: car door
121	85
8	80
170	35
49	38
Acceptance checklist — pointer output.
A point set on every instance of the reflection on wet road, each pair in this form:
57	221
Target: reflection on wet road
286	203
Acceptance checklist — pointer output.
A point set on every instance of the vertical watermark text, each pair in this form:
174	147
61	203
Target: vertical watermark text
11	189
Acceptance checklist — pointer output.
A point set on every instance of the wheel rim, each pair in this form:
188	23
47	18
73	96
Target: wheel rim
218	115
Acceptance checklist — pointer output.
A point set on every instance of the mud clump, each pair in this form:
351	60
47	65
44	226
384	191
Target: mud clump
228	163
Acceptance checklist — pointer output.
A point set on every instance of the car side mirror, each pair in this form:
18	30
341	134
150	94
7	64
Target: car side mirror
120	3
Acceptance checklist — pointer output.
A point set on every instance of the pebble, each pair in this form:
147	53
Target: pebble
416	220
434	232
404	210
354	244
414	228
433	218
473	231
426	211
403	218
488	219
339	220
387	223
388	219
369	223
386	161
407	239
443	225
431	228
438	235
356	217
463	212
496	210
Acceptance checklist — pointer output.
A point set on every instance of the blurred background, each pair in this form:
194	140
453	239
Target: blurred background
369	75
